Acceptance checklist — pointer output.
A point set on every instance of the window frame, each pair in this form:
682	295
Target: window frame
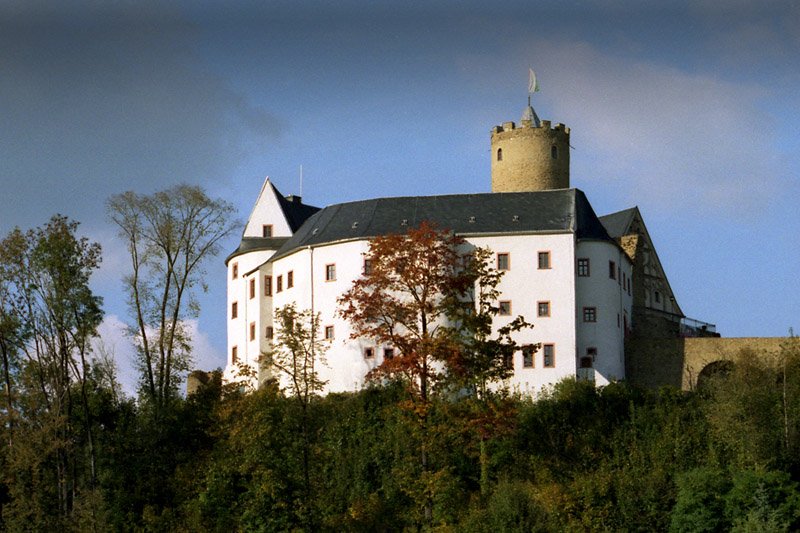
369	353
590	315
269	332
552	355
584	265
234	354
267	285
388	353
252	331
612	270
279	283
500	308
252	288
329	332
266	231
539	313
539	255
528	357
366	268
507	257
234	310
290	279
330	272
235	270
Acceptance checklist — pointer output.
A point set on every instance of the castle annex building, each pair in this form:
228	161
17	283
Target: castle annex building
589	283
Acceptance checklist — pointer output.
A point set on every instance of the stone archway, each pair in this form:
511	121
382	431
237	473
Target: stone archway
721	368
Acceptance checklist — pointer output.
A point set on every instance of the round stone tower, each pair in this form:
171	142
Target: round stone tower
530	157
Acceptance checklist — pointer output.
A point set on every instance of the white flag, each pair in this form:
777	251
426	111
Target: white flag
533	85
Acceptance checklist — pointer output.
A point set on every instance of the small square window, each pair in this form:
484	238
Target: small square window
266	230
612	270
503	262
252	331
252	288
235	271
279	284
367	267
505	308
388	353
235	354
328	332
590	314
267	285
544	260
270	332
290	279
330	272
549	355
527	356
583	267
234	310
369	353
543	309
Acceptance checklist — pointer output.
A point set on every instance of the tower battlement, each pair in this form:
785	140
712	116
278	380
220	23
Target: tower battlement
529	156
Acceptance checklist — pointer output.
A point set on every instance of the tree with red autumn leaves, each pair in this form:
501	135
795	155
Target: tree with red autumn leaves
431	296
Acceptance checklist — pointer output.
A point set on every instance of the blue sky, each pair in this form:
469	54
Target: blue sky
688	110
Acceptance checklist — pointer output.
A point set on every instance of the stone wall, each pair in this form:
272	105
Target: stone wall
678	361
527	162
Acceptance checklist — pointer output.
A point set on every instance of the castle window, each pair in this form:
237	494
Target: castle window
503	262
279	284
367	267
504	308
543	309
252	331
330	272
235	355
590	314
369	353
266	230
549	355
388	353
267	285
234	310
290	279
612	270
658	297
235	271
252	288
527	356
544	260
499	154
554	152
270	332
583	267
328	333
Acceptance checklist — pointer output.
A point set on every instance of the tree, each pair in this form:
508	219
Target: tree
169	235
50	315
295	353
433	298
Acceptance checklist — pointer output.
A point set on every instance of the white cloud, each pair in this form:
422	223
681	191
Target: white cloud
117	343
686	141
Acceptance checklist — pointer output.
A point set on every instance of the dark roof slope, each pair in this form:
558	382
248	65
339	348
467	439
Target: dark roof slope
295	211
563	210
617	224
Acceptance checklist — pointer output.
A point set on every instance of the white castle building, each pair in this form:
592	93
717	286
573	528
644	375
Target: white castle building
580	279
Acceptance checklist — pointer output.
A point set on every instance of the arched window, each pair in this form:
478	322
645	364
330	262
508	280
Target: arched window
499	154
554	152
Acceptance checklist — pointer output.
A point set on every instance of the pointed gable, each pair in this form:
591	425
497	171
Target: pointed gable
283	215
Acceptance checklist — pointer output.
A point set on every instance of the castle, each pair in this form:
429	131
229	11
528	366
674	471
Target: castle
592	285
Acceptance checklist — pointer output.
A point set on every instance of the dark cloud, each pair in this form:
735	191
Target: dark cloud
112	101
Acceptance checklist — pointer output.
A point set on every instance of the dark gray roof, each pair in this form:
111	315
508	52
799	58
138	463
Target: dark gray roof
563	210
617	224
252	244
295	211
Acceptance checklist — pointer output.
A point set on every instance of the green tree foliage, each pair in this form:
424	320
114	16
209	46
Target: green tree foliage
169	235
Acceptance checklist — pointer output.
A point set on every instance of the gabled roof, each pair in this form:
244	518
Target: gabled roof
295	211
563	210
619	223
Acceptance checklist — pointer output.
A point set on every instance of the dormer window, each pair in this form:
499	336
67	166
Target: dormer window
499	154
